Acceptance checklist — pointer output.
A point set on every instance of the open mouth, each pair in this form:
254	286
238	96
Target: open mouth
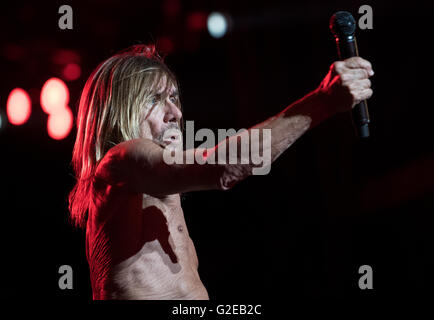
171	135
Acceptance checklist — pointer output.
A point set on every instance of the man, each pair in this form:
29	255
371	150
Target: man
127	195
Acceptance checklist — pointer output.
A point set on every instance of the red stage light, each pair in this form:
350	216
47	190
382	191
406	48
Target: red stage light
18	106
54	95
59	123
196	21
65	56
165	44
71	72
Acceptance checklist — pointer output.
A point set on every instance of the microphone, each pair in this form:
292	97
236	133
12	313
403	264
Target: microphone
343	26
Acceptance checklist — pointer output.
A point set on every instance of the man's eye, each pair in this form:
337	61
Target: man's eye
173	99
155	99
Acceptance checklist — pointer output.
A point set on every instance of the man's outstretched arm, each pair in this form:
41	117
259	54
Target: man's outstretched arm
138	165
345	85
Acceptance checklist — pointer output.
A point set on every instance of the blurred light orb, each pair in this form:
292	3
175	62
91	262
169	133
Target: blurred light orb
197	21
54	95
59	123
18	106
217	24
165	44
71	72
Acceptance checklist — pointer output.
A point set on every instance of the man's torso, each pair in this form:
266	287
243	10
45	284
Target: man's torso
138	247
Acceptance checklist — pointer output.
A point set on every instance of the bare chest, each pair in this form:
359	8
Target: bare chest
166	261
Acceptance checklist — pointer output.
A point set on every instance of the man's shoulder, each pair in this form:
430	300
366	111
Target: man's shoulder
104	191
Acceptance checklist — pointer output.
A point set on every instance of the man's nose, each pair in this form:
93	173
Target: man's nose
173	114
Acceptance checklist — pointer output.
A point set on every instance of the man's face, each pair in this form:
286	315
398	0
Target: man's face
161	118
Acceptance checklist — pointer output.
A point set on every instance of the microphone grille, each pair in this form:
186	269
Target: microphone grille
342	23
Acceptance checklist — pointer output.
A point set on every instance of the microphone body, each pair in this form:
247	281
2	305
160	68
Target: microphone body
343	25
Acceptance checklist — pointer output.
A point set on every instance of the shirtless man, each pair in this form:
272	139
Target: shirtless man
128	198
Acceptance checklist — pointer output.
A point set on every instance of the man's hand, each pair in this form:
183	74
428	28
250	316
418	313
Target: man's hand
347	83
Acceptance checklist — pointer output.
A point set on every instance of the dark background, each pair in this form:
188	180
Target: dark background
330	204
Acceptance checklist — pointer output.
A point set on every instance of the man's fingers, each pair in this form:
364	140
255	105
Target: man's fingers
360	84
337	67
362	95
366	94
365	83
357	62
354	74
349	79
352	68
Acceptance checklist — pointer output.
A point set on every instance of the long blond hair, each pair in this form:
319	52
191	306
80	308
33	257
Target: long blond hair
109	112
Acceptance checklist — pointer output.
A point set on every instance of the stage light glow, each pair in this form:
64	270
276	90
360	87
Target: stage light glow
71	72
165	44
217	24
18	106
54	95
59	123
196	21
